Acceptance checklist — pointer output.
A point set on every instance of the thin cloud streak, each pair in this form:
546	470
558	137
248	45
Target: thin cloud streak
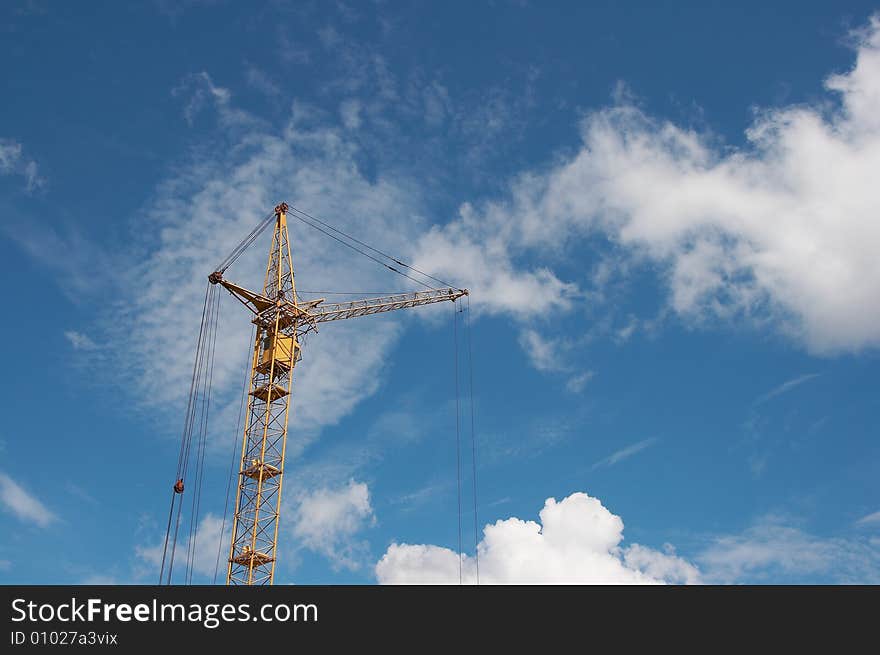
785	387
22	504
624	453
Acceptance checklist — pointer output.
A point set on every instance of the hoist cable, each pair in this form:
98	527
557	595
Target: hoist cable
203	433
245	243
195	424
195	407
181	466
192	385
365	254
167	533
207	419
473	437
366	245
174	543
457	438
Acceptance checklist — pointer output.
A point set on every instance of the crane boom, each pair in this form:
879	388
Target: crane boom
280	320
315	311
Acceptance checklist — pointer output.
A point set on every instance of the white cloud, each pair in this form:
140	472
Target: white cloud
578	541
200	93
869	520
553	355
665	566
782	230
576	383
22	504
350	111
260	81
13	162
624	453
544	354
482	260
80	341
437	103
328	519
10	154
772	550
786	387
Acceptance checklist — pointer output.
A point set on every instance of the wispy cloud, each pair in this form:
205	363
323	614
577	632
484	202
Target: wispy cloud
773	549
869	520
624	453
260	81
576	383
22	504
422	495
80	341
544	354
785	387
553	355
13	162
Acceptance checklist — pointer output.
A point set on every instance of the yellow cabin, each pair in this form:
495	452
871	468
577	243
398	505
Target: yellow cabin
285	352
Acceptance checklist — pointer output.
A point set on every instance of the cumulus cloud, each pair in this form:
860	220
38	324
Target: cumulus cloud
327	521
22	504
781	230
577	541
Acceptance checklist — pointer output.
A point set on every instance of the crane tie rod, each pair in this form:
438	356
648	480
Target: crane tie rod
302	216
246	242
365	254
338	235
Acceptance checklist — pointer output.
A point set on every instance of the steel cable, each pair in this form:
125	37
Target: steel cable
366	245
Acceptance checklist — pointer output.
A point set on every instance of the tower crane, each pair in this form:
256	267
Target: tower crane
281	319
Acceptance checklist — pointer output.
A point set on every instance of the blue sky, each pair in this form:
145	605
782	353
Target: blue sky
666	214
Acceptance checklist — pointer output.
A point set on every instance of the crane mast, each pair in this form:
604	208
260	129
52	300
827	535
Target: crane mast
280	320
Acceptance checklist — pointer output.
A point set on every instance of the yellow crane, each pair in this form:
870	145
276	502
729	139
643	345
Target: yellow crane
281	320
